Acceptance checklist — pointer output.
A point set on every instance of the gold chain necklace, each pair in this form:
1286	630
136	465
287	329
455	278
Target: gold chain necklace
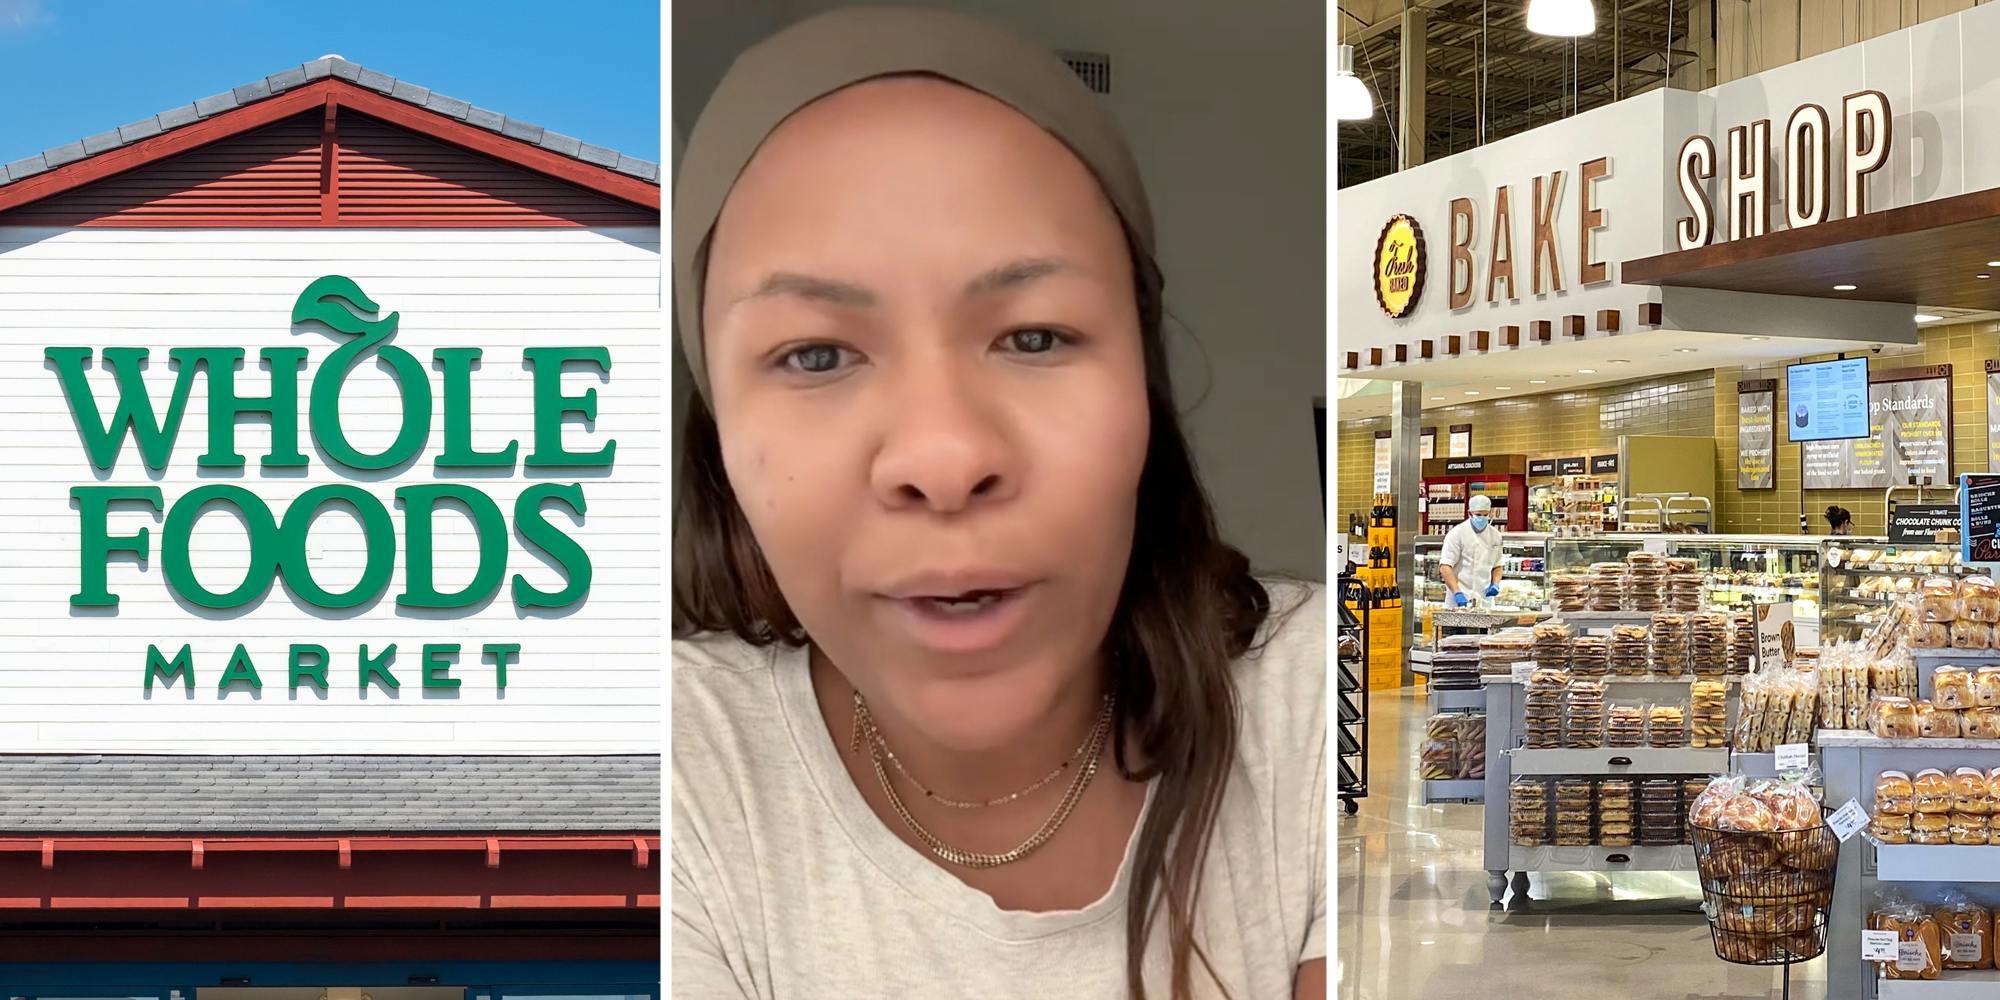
865	729
1093	749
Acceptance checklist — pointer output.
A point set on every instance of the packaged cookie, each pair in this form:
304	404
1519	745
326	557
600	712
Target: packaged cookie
1583	715
1666	726
1546	692
1631	651
1589	656
1951	687
1552	644
1742	642
1528	812
1574	801
1895	794
1670	645
1978	600
1708	719
1625	724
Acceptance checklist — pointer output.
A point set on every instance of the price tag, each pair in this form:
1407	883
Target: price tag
1911	956
1964	948
1878	946
1793	756
1357	553
1847	820
1523	670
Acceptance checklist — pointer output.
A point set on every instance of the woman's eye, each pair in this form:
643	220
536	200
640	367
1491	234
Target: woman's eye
814	359
1034	340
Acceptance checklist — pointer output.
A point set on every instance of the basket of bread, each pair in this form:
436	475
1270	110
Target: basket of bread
1766	859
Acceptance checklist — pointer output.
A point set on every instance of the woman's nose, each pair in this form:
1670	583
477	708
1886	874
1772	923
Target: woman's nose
947	449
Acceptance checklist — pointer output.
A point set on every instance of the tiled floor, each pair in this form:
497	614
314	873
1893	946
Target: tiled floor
1415	919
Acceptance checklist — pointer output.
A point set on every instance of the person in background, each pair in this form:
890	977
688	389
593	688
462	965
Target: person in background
1840	520
1471	556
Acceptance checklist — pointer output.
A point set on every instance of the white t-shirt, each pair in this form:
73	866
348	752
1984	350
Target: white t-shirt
787	886
1472	555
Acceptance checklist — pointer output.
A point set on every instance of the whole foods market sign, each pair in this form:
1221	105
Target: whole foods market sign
117	420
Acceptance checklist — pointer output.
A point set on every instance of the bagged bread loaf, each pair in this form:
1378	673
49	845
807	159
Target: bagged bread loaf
1967	930
1911	923
1951	687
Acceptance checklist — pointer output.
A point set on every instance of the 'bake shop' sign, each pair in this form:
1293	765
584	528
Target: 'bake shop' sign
1805	174
1495	242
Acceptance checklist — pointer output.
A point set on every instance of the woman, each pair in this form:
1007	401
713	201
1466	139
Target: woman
1839	521
969	699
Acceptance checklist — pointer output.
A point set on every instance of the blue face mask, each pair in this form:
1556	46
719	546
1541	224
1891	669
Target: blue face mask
1480	524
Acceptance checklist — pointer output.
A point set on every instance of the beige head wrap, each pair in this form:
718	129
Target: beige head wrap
818	56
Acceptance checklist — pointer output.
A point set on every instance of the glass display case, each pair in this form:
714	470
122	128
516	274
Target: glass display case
1739	569
1523	579
1861	577
1758	569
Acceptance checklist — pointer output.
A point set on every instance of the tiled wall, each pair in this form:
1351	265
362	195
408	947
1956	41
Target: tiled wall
1555	425
1965	347
1590	421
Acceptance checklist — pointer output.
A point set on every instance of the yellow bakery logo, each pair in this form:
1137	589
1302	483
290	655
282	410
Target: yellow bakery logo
1399	266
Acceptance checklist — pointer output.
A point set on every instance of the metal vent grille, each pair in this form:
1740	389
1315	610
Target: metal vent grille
1094	68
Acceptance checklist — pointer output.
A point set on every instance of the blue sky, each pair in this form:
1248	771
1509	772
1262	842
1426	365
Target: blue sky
72	68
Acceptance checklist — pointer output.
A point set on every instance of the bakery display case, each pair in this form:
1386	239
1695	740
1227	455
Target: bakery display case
1523	581
1861	577
1741	570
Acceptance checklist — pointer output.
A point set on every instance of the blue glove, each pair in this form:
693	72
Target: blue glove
1458	599
1493	590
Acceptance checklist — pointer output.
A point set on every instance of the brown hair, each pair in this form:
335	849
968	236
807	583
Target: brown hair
1188	609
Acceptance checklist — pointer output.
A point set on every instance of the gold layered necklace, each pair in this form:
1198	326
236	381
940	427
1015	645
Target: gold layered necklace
1092	748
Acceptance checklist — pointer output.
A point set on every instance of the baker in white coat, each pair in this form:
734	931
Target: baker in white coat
1470	563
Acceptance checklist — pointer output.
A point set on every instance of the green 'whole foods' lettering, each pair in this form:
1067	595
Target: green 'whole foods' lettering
116	522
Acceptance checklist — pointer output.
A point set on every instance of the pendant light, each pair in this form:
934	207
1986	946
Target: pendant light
1562	18
1351	100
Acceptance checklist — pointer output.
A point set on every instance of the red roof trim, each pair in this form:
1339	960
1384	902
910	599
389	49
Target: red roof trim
320	93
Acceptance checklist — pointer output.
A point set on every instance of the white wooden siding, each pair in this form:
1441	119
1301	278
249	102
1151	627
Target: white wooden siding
587	682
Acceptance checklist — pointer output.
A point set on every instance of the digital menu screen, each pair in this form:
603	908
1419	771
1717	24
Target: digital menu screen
1827	400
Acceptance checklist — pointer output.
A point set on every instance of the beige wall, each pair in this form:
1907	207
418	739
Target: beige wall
1590	421
1764	34
1965	347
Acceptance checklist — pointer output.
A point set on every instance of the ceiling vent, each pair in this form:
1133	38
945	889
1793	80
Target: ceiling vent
1093	68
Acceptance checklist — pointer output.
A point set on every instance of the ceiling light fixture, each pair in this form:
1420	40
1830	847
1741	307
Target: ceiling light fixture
1993	263
1685	350
1351	100
1586	371
1621	361
1502	388
1754	339
1986	276
1927	318
1843	288
1437	399
1538	381
1562	18
1472	392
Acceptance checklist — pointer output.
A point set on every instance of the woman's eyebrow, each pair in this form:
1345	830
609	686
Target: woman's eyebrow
807	287
1014	273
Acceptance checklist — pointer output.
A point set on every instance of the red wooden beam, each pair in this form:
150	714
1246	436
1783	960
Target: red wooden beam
641	854
557	902
264	902
411	902
323	93
118	902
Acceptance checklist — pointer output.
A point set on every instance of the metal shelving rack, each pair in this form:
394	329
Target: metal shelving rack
1352	671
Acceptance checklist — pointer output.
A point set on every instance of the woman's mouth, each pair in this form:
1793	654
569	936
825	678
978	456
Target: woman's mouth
964	621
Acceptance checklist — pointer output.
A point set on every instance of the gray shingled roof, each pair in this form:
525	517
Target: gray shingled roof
319	69
187	795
